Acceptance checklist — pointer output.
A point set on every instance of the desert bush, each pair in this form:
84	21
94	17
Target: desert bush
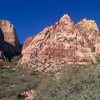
98	59
15	59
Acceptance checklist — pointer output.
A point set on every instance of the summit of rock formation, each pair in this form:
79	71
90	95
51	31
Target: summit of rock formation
65	19
9	43
64	41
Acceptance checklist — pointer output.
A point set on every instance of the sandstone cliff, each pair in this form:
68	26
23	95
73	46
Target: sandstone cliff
9	43
64	41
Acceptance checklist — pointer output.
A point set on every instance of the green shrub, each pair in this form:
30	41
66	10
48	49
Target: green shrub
98	59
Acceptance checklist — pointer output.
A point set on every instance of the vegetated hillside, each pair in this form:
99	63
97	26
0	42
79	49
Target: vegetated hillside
77	82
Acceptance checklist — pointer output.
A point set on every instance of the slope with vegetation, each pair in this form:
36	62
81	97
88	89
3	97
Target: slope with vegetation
76	82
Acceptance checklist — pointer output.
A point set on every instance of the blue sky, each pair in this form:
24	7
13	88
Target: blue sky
31	16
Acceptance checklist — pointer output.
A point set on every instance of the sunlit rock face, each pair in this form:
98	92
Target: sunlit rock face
9	43
9	33
64	41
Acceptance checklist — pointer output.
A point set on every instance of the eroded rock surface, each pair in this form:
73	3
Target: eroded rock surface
64	41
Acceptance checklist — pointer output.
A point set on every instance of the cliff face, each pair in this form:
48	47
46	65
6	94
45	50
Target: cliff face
64	41
9	33
9	43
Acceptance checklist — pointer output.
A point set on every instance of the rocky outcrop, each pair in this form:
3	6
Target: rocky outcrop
9	33
64	41
9	43
29	95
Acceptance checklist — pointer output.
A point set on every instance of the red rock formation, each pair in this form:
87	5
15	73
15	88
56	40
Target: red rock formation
73	43
9	43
